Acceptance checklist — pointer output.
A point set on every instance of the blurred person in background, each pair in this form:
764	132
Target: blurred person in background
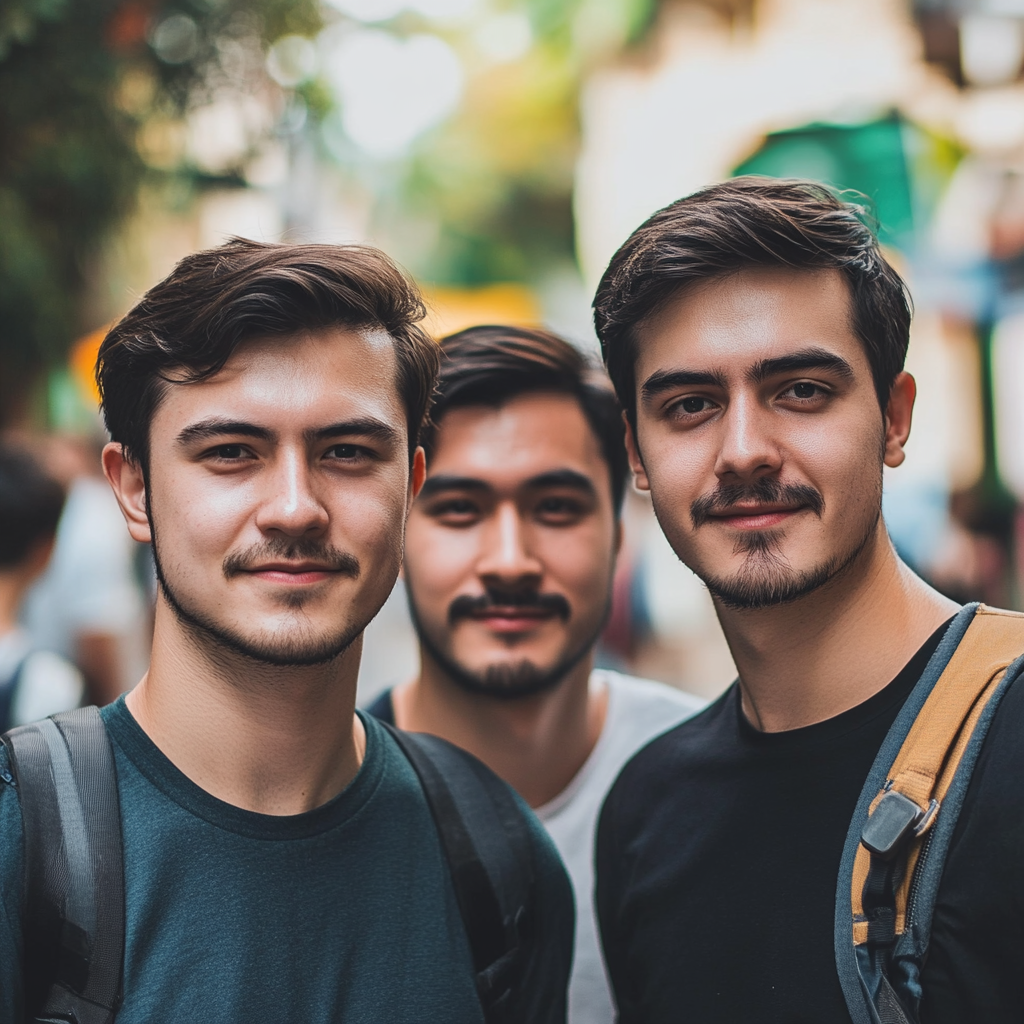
34	682
282	860
90	604
801	852
510	554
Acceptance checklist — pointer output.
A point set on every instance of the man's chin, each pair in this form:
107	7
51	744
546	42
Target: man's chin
282	642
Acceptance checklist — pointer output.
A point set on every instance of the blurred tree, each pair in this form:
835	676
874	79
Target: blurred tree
78	80
491	188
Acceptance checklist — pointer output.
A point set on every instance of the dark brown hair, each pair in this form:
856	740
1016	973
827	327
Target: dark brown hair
491	364
191	322
752	222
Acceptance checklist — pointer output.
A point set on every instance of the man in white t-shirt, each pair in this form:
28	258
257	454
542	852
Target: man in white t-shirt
510	554
34	683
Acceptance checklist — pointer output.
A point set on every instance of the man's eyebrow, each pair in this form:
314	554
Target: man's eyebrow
216	427
666	380
805	359
449	482
367	427
563	478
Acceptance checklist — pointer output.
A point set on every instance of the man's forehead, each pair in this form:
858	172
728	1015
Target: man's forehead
327	374
514	442
750	316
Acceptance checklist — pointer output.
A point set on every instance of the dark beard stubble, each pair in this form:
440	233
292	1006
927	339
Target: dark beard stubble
505	681
217	640
766	579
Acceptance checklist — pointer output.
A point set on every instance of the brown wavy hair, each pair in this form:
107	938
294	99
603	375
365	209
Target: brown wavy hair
752	222
190	323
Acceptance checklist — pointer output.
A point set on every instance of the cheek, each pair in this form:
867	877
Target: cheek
681	462
203	513
371	526
441	561
844	462
579	562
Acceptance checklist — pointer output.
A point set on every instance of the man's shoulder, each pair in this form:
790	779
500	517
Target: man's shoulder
638	711
382	706
661	766
638	696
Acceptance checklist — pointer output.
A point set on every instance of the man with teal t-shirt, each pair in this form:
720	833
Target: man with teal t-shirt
281	862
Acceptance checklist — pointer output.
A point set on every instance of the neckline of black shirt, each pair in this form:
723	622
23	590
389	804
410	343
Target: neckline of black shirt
891	696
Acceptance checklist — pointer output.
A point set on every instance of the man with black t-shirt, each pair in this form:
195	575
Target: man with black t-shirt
756	337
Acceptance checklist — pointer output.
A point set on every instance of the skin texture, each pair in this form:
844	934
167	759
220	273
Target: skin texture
760	438
517	503
277	493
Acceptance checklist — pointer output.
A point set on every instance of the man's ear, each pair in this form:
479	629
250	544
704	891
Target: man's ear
640	481
898	414
419	472
129	485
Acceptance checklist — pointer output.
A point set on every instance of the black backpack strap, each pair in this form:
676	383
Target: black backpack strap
74	874
486	840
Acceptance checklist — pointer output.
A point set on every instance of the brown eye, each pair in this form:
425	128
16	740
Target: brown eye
344	451
805	390
693	405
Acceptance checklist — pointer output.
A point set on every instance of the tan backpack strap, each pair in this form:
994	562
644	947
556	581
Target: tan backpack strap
930	755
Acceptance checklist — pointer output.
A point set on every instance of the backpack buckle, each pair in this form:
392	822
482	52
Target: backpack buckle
890	824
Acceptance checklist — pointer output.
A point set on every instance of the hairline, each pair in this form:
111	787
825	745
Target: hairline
673	290
162	382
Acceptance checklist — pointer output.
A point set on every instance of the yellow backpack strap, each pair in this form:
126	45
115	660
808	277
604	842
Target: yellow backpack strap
907	807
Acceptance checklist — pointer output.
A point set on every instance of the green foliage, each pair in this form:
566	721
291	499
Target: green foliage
69	164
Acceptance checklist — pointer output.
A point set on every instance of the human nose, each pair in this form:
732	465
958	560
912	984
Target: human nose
291	505
748	450
506	556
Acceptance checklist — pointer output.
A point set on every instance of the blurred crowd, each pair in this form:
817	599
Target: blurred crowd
75	590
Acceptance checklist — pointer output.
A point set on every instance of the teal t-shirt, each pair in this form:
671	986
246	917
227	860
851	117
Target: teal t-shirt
342	914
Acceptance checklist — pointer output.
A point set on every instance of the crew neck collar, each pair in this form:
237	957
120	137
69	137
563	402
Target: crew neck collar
891	696
158	769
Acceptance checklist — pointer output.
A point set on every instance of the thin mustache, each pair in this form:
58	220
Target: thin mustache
762	492
466	606
329	558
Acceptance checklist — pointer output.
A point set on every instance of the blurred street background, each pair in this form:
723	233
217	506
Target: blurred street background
501	150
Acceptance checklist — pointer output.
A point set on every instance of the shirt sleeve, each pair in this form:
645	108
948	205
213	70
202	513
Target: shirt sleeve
11	872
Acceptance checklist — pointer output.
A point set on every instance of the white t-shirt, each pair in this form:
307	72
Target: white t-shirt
638	710
48	684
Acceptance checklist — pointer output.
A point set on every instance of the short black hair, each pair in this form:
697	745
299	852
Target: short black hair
191	322
491	364
31	502
748	222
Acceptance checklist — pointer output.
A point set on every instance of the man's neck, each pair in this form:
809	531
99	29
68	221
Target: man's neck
276	740
536	744
812	659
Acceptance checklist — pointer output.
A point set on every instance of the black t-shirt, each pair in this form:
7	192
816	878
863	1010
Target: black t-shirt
718	856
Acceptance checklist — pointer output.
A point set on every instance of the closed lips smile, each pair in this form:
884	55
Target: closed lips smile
292	572
756	517
512	619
